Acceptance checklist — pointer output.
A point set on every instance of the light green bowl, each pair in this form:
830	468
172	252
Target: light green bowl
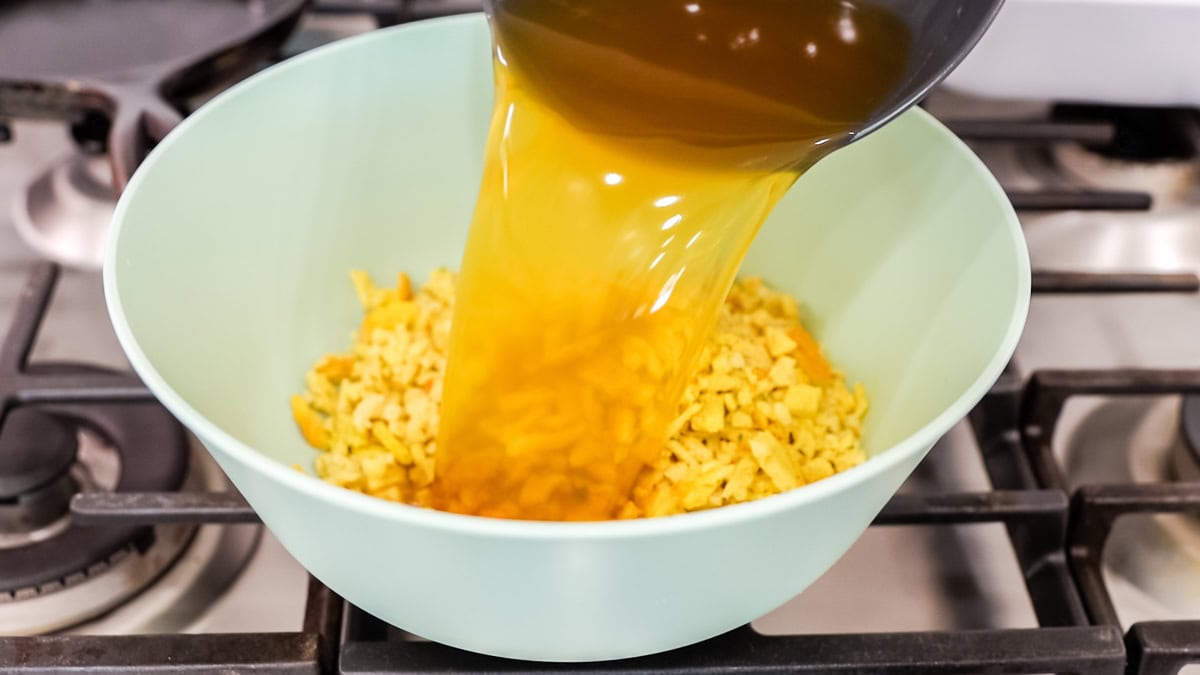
226	276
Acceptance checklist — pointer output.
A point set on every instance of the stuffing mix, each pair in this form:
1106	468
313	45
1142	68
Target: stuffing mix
764	413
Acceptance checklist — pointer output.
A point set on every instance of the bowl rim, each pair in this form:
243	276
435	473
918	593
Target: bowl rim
415	516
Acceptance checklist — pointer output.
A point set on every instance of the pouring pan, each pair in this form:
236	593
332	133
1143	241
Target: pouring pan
226	276
127	59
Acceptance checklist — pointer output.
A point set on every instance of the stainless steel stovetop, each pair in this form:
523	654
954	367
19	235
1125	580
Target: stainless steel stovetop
901	578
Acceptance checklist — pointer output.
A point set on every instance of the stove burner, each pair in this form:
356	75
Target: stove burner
65	212
36	454
1153	150
1149	562
152	452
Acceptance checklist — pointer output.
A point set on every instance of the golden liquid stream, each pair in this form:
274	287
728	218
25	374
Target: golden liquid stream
636	147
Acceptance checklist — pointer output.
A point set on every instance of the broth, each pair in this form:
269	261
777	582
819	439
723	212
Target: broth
635	149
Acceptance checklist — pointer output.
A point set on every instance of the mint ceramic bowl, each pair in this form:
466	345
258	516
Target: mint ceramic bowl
226	275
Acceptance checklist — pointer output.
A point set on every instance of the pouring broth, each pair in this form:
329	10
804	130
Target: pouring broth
635	149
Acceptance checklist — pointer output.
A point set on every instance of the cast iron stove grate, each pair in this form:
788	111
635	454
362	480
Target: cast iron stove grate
1055	539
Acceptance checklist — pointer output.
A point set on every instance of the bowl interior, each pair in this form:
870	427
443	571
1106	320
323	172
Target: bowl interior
233	243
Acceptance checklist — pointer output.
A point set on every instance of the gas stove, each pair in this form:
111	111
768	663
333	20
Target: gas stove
1056	529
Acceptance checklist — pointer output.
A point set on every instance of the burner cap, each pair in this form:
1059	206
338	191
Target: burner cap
35	448
64	213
